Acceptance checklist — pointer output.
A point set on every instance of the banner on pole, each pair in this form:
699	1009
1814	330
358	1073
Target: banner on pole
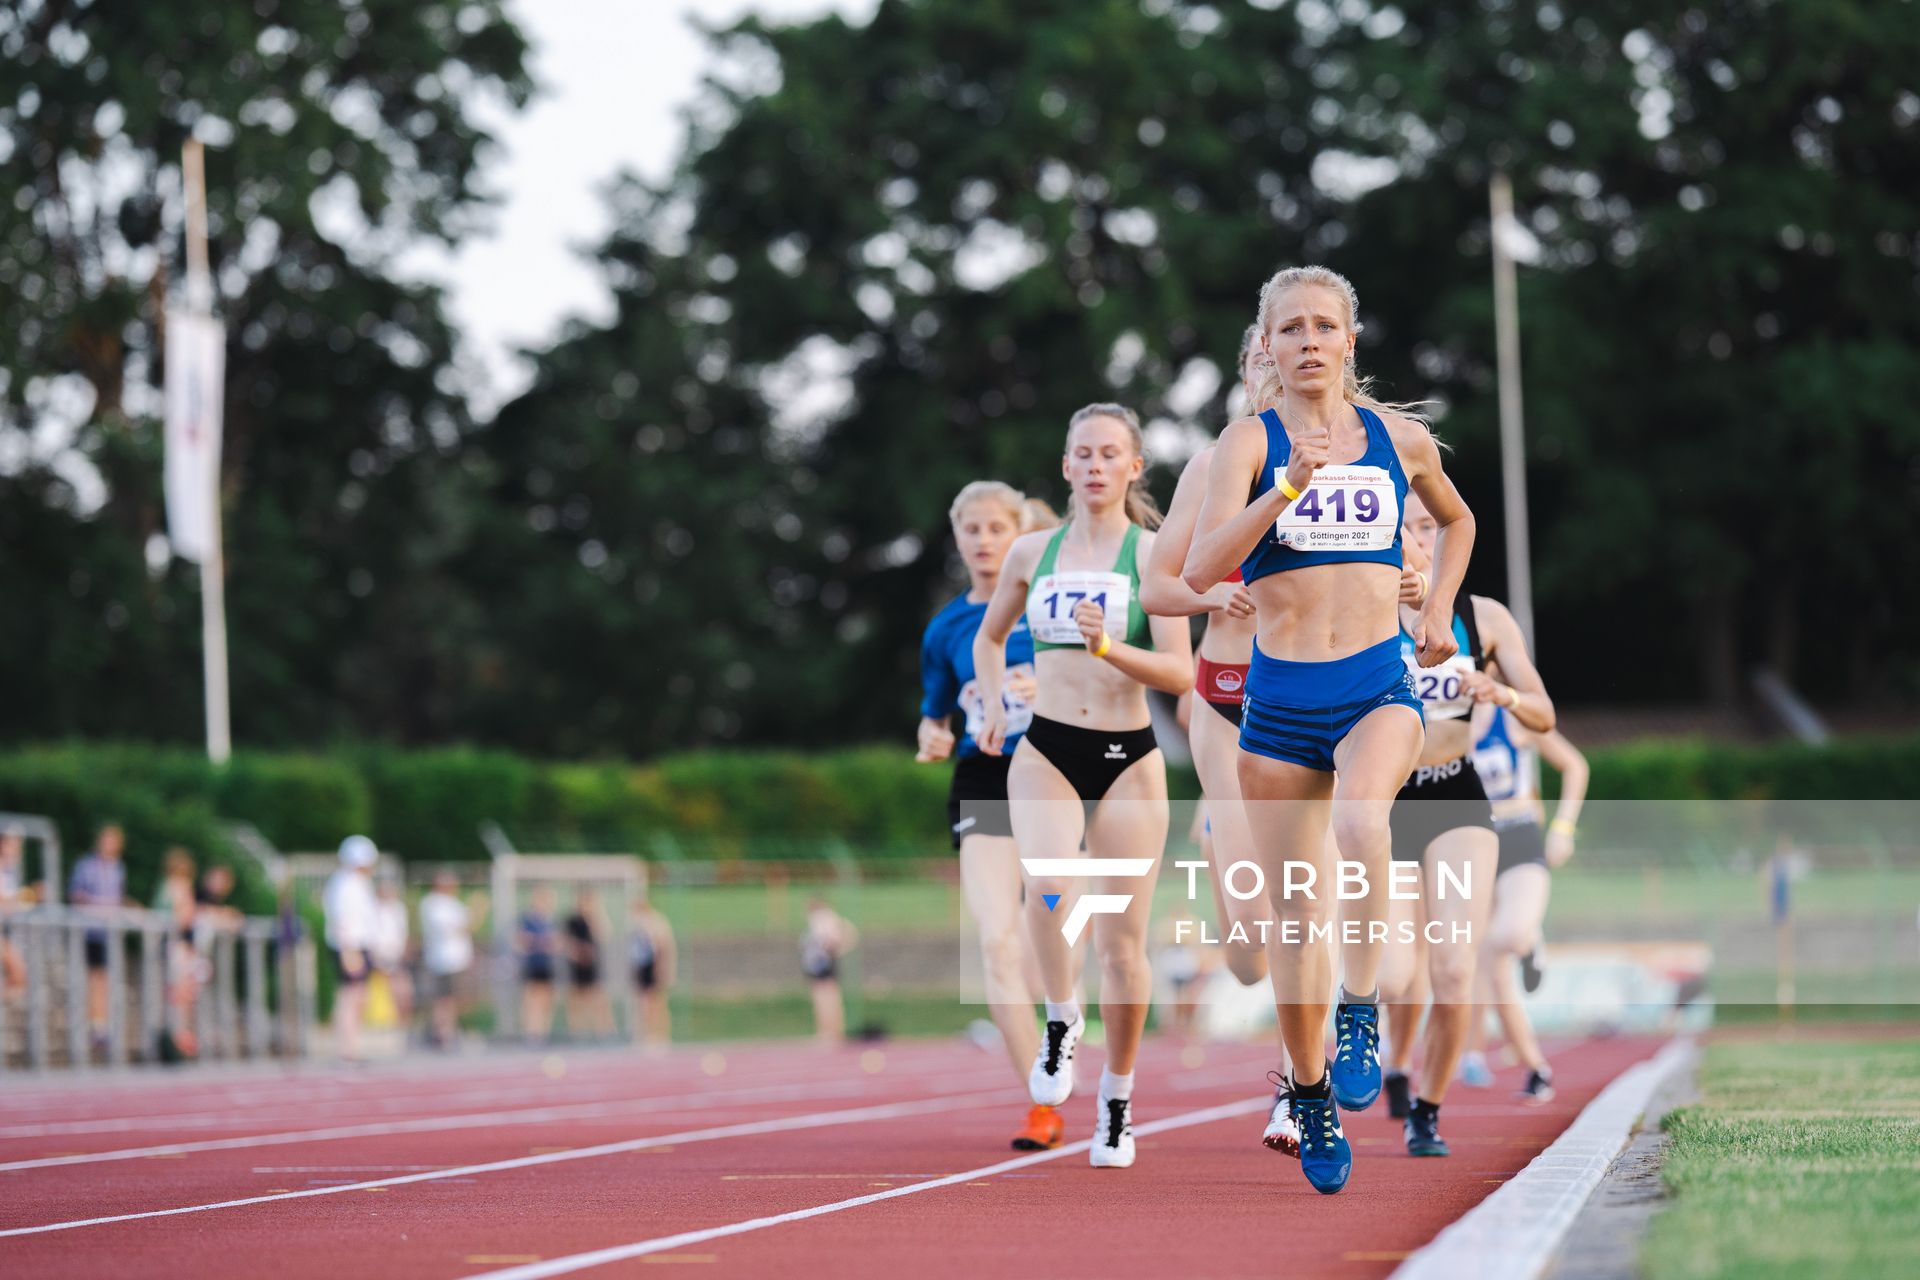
195	381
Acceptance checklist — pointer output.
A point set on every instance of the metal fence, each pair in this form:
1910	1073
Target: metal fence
117	986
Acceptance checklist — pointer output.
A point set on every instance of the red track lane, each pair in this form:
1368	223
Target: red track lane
78	1129
1205	1201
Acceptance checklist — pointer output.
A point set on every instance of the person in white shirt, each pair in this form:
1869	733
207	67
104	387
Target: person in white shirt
446	951
389	949
351	912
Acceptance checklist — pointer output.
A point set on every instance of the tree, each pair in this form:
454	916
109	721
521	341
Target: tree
1716	326
337	134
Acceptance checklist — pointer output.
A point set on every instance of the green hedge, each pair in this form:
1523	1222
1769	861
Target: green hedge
1867	768
161	798
428	805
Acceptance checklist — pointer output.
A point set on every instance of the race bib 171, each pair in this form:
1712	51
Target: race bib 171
1051	603
1344	509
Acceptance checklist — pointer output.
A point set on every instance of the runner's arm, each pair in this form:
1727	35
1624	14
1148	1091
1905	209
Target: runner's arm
1566	760
939	696
1420	456
1168	666
1523	692
1162	591
1229	527
990	641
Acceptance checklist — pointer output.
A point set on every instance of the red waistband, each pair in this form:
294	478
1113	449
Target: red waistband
1220	681
1234	576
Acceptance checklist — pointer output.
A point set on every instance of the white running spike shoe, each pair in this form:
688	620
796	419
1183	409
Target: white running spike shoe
1112	1135
1283	1131
1050	1083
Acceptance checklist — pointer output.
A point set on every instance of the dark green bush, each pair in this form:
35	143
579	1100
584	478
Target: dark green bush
428	805
874	801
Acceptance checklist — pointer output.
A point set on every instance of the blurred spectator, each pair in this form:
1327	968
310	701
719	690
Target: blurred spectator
214	898
1185	965
14	896
589	1010
446	945
351	910
389	946
98	885
537	945
827	940
174	899
653	964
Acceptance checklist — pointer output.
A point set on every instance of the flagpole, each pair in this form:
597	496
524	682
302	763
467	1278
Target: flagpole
1513	449
213	568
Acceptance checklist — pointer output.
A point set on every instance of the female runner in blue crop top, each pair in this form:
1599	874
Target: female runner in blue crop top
1310	510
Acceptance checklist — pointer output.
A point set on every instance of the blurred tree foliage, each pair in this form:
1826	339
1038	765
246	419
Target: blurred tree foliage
894	259
966	219
337	135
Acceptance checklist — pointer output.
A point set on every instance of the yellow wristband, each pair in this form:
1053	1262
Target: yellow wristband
1287	490
1426	587
1511	698
1562	825
1106	643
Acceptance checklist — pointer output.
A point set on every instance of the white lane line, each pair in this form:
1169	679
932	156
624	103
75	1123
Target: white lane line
370	1108
283	1084
584	1073
661	1244
816	1120
474	1120
1513	1233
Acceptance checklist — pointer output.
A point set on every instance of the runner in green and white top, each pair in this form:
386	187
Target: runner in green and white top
1088	764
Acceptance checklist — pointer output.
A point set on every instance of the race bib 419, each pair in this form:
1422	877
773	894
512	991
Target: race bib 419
1344	509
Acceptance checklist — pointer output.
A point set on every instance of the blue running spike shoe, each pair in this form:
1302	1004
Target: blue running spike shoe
1474	1071
1356	1059
1325	1157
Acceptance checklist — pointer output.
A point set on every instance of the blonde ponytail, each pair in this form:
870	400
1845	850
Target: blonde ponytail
1141	508
1036	514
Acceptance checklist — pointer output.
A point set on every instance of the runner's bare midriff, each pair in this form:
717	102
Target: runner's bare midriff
1227	639
1323	612
1446	740
1079	689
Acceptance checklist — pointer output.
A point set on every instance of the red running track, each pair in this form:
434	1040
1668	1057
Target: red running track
522	1164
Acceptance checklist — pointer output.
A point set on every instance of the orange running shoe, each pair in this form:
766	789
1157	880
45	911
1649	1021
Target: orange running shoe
1043	1130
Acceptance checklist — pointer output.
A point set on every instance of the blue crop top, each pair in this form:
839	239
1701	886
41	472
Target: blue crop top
947	677
1350	513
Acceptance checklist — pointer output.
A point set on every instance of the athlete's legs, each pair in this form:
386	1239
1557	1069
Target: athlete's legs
1456	922
1288	812
829	1012
536	1011
990	883
1048	822
1130	822
1520	904
1216	757
659	1017
1372	763
1403	986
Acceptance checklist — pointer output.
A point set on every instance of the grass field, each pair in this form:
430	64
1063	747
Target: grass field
791	1014
1800	1159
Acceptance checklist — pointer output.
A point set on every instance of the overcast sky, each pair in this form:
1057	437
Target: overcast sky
615	76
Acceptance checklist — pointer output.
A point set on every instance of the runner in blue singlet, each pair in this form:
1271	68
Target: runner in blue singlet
1309	508
986	517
